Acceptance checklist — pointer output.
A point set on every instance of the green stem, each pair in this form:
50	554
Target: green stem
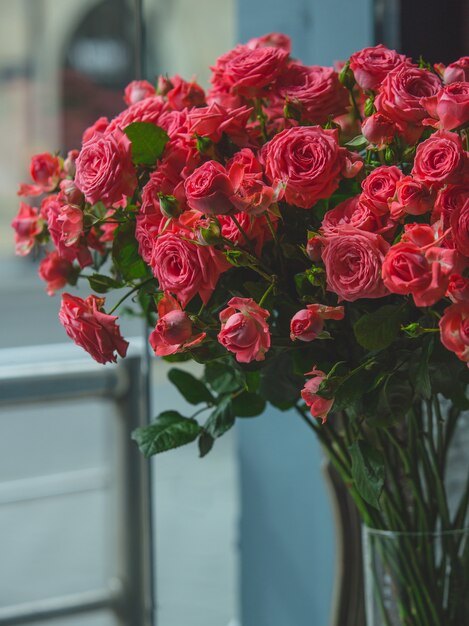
266	293
129	293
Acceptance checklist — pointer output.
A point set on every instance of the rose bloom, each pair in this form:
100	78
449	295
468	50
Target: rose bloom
98	128
400	97
249	72
319	407
353	259
272	40
65	224
353	212
371	65
308	323
244	330
449	198
138	90
412	198
457	71
256	228
45	170
458	288
105	171
55	271
215	120
454	329
440	159
314	90
449	108
147	110
378	129
459	221
27	224
186	268
90	328
307	160
379	188
407	269
209	189
185	94
173	329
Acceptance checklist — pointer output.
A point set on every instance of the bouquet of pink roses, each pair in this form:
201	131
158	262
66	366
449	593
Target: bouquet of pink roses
303	233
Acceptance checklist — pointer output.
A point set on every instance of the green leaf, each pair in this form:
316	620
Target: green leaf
221	419
102	283
170	430
279	383
248	404
222	378
205	442
148	142
367	471
359	142
377	330
192	389
422	381
125	253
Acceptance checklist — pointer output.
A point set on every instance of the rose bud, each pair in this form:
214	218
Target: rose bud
27	225
412	197
378	129
45	172
91	328
69	163
210	190
55	271
319	407
454	329
71	192
308	323
244	330
138	90
209	232
458	288
457	71
169	206
173	329
163	85
314	248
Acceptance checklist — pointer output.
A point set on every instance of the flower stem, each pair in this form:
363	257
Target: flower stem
129	293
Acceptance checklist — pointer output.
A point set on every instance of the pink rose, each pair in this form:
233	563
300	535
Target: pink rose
272	40
314	91
454	329
457	71
65	224
55	271
440	159
307	160
138	90
412	198
256	228
45	170
173	329
370	66
353	212
380	187
379	130
184	94
90	328
319	407
353	260
215	120
69	163
449	108
70	193
459	220
308	323
209	189
400	97
244	330
148	110
407	269
249	72
449	198
186	268
458	288
27	224
314	248
104	169
98	128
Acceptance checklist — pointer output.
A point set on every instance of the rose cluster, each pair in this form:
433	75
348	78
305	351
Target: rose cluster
354	183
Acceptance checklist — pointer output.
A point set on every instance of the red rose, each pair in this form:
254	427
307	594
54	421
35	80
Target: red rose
65	224
214	120
90	328
440	159
272	40
457	71
45	170
314	91
186	268
55	271
244	330
319	407
27	224
307	160
209	189
400	98
459	220
380	187
138	90
407	269
352	212
308	323
249	72
454	329
185	94
353	260
147	110
449	198
379	130
458	288
173	329
370	66
256	228
98	128
412	198
104	169
449	108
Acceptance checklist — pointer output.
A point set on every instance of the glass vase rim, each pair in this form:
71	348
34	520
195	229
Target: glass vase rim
413	533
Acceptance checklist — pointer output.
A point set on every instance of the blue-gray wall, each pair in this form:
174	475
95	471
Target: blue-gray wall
287	530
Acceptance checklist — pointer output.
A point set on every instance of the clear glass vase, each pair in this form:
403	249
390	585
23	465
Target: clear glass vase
416	579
